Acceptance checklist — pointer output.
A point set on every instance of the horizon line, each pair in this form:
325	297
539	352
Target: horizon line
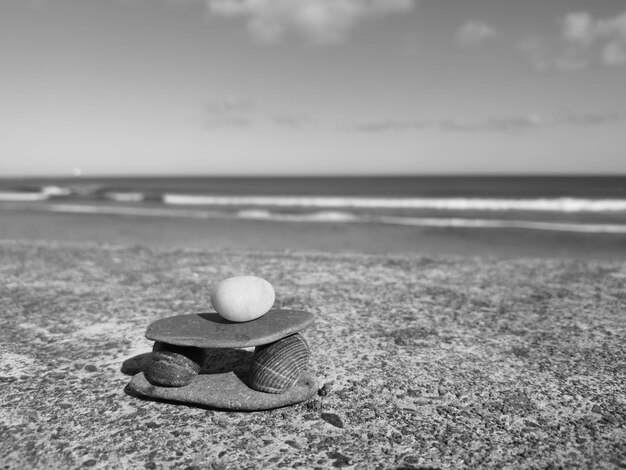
311	176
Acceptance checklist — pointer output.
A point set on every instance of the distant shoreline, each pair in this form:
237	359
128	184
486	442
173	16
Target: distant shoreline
259	234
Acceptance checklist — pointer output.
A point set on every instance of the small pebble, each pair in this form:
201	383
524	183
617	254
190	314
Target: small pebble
340	459
242	298
174	366
322	392
332	418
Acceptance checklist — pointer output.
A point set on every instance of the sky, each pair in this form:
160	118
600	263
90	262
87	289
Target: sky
312	87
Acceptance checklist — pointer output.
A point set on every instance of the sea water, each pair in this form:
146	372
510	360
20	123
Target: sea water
575	204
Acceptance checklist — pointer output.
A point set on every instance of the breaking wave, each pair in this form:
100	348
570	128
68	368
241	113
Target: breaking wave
329	204
565	204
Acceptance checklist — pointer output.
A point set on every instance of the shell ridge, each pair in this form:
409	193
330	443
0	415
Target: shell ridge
275	372
277	367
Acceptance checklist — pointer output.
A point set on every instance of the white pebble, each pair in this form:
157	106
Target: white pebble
242	298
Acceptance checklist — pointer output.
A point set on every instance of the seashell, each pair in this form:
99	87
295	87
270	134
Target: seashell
242	298
174	366
276	367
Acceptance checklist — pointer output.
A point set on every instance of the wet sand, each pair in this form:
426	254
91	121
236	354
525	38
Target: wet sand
307	236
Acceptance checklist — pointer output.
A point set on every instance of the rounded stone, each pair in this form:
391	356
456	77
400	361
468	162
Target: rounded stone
242	298
174	366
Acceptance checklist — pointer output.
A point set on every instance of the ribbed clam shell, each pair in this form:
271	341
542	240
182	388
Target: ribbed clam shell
275	367
174	366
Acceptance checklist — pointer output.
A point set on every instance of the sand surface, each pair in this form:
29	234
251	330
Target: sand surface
430	362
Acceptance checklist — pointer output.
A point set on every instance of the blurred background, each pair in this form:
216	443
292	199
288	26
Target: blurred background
479	127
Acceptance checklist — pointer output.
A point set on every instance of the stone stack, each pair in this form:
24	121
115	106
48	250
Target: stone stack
183	365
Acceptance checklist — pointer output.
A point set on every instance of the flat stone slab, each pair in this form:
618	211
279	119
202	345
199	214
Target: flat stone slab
209	330
226	391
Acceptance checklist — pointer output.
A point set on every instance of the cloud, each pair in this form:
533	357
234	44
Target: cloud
495	124
473	32
513	123
228	112
592	119
390	125
582	30
582	41
242	113
578	27
459	124
317	21
545	55
295	121
614	53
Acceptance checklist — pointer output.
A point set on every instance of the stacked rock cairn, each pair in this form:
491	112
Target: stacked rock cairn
275	367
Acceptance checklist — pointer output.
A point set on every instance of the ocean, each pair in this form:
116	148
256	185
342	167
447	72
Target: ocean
594	204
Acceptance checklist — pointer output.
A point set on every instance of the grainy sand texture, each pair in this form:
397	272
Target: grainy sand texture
429	362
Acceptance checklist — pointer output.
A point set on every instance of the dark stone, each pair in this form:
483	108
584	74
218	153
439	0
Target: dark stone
174	366
209	330
333	419
136	364
322	392
226	391
340	460
293	444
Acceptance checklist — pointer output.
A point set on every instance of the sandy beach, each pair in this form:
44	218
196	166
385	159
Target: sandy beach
430	361
439	347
